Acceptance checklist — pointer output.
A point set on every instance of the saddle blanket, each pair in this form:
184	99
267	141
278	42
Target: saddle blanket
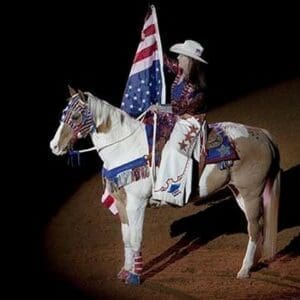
219	148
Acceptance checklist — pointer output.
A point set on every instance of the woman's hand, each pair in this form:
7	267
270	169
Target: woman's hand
154	108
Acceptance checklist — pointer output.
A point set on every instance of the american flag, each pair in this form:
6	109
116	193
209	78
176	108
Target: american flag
146	83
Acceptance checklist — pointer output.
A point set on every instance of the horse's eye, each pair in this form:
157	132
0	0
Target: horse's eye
76	116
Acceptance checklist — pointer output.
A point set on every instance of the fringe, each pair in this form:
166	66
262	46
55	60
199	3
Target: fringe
128	176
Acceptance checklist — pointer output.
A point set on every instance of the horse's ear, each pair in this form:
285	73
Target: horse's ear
71	91
81	95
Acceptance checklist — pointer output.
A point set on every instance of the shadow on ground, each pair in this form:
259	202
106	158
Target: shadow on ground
225	217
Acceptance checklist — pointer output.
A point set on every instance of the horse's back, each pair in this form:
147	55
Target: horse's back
253	142
257	152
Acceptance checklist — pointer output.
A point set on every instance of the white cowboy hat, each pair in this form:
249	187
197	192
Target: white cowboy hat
189	48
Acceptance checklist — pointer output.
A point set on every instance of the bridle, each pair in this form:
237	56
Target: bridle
78	117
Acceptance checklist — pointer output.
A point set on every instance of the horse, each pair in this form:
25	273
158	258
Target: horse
120	140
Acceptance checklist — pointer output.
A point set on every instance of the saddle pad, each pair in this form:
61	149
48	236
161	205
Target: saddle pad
218	147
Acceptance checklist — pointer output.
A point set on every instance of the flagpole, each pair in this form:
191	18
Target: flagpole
160	53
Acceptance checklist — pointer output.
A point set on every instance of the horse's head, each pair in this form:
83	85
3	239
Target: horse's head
76	122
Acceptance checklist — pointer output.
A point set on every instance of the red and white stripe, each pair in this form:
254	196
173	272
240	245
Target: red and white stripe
109	202
138	263
149	49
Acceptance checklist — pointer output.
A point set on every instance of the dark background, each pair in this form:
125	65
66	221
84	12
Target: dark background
92	46
92	49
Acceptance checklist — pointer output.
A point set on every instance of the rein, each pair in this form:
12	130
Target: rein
74	153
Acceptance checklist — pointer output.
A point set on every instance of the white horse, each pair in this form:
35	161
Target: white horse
121	140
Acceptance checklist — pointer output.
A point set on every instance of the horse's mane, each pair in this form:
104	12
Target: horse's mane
118	124
100	109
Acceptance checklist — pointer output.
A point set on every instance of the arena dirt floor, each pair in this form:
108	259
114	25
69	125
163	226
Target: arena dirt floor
193	252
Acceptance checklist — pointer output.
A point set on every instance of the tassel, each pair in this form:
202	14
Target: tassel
73	158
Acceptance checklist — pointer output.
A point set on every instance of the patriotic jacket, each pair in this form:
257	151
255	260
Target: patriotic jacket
185	98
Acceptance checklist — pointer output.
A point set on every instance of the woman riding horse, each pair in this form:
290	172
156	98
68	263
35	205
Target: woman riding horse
121	142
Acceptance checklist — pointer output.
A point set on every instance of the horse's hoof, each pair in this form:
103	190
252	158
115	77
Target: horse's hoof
243	274
123	275
133	279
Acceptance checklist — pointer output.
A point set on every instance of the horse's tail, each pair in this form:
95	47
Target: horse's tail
271	197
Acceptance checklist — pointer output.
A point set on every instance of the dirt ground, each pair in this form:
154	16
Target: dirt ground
82	245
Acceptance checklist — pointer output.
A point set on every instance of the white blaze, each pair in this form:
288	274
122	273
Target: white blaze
54	142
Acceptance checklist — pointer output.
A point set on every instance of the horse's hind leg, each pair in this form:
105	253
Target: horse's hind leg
252	208
212	179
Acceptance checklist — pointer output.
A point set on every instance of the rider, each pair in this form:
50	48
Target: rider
189	86
188	102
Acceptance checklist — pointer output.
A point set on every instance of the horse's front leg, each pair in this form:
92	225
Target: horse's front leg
135	212
128	253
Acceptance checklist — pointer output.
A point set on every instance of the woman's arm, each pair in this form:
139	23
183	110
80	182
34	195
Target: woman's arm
196	105
192	106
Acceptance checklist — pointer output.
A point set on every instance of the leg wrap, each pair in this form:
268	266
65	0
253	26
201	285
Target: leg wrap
138	263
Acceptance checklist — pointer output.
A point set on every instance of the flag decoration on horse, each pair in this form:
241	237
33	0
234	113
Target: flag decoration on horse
146	84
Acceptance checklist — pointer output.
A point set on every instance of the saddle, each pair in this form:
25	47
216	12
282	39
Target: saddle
165	125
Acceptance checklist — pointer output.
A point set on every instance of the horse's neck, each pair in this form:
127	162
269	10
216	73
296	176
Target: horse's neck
122	135
131	148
